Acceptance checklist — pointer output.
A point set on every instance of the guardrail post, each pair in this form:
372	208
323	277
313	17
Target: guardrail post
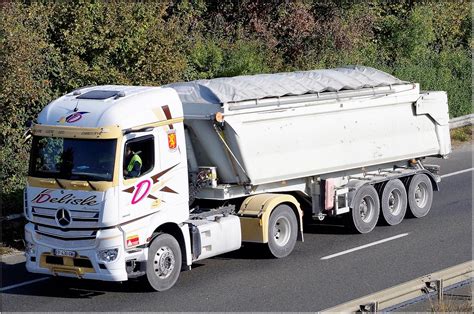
434	286
371	307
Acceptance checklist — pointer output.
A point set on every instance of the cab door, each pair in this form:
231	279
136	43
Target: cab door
139	163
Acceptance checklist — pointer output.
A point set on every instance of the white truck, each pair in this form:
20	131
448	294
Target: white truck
221	162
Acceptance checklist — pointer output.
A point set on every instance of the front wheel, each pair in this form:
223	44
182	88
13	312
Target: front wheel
420	195
164	262
282	231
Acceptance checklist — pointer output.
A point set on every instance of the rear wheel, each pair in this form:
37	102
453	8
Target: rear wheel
365	209
164	262
420	195
393	202
282	231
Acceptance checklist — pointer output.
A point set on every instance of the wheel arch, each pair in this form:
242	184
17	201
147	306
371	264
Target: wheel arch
354	187
432	178
255	213
299	217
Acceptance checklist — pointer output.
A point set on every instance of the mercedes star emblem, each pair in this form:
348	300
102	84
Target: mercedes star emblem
63	217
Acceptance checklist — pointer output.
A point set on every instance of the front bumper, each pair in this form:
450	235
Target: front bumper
86	264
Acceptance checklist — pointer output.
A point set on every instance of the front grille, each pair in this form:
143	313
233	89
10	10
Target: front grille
81	232
66	234
67	238
80	218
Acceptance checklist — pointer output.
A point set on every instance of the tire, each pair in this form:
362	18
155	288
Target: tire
393	202
164	262
282	231
365	210
420	195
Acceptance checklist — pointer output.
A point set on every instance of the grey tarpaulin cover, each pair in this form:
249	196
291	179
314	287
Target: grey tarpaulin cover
249	87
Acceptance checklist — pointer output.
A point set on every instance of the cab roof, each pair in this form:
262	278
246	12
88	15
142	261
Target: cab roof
111	105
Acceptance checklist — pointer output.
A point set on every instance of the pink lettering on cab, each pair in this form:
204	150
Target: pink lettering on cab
141	191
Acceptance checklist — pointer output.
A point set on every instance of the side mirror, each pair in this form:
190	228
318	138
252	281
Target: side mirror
27	134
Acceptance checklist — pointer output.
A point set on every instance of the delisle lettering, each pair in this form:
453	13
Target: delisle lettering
45	196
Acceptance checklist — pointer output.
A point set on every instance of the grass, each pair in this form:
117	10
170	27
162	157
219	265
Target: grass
451	306
461	135
459	301
5	250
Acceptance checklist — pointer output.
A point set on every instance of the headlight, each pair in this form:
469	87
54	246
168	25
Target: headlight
30	249
109	255
28	236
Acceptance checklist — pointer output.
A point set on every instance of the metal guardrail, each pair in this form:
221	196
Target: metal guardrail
429	284
461	121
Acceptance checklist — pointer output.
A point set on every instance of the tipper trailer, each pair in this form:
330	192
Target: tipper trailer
215	163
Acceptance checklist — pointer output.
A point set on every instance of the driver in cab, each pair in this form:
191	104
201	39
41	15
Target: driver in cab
133	164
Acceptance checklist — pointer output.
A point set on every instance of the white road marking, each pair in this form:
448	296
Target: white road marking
457	172
22	284
365	246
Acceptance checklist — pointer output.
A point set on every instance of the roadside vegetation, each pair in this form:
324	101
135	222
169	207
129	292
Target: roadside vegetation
6	250
452	307
50	48
462	135
452	304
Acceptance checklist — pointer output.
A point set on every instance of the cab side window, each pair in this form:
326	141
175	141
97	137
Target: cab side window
139	157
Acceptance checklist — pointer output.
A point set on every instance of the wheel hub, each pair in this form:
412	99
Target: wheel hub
394	204
420	195
164	262
281	231
366	209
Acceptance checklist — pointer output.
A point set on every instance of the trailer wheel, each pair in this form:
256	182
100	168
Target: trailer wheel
365	209
393	202
282	231
420	195
164	262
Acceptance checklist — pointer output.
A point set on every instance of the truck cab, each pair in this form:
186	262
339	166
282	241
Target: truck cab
89	214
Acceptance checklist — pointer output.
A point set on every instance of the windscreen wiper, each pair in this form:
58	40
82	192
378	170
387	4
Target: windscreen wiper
90	184
59	183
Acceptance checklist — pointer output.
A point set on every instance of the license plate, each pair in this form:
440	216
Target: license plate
59	252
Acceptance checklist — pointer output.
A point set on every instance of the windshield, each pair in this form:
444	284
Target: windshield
74	159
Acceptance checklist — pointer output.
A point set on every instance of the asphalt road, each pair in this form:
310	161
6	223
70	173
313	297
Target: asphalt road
247	281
